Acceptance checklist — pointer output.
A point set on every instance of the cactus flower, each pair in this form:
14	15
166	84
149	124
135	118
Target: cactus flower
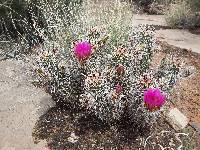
83	51
153	99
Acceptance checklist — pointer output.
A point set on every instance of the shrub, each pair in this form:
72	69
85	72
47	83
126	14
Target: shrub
194	4
26	18
178	15
109	84
142	3
182	15
17	17
104	68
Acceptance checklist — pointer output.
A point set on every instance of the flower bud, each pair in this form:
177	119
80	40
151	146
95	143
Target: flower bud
120	69
118	88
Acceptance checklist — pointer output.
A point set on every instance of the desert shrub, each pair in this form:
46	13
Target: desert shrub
6	7
161	6
194	4
151	6
22	18
102	66
178	15
17	17
182	15
142	3
28	23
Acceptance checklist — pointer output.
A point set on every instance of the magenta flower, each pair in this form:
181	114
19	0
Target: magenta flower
83	51
154	99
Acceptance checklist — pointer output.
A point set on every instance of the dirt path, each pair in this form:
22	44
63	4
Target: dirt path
156	20
180	38
176	37
21	105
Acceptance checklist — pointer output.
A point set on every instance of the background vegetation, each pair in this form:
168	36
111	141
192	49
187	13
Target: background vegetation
19	17
184	14
22	17
32	21
178	13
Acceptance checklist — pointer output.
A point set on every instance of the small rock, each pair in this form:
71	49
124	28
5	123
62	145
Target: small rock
177	119
188	71
196	126
73	138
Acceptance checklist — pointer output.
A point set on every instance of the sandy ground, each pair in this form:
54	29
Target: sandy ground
21	104
156	20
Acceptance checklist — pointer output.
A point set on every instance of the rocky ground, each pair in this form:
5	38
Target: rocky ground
186	94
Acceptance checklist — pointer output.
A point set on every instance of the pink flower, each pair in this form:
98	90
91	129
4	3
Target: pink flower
118	88
83	51
154	99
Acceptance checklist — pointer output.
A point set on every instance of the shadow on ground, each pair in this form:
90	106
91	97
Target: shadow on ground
58	123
